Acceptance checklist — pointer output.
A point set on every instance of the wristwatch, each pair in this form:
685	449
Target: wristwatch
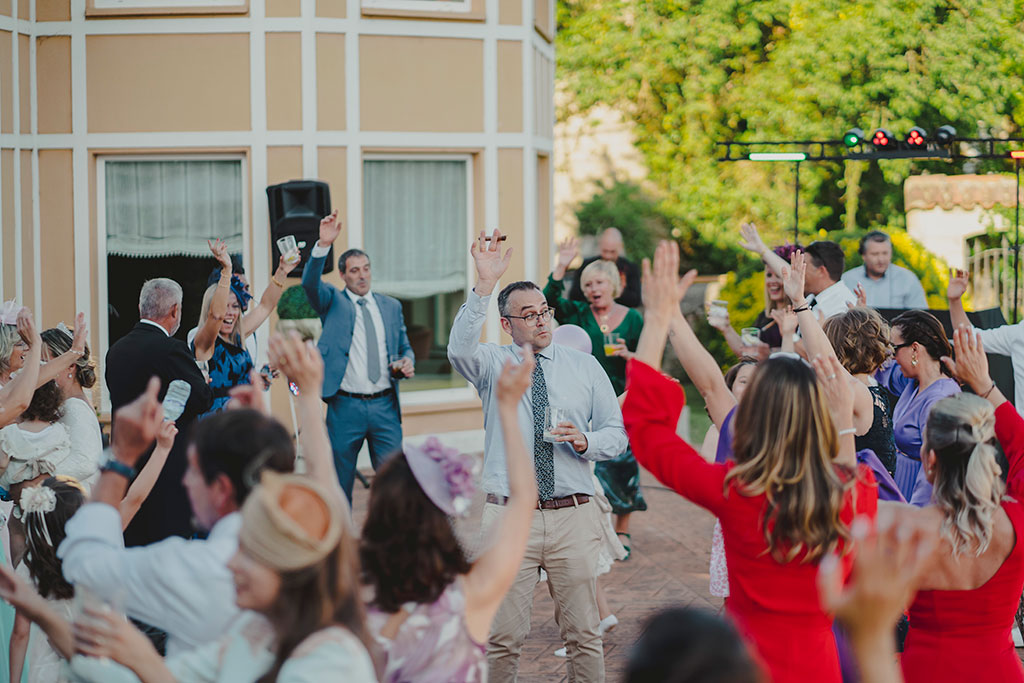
112	464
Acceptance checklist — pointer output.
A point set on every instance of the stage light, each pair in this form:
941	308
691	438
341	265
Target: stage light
882	139
916	138
945	134
777	156
853	137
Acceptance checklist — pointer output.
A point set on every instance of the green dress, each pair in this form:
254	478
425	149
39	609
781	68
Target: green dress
620	476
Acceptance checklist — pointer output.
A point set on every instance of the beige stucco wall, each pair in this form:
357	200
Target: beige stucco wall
444	93
148	83
57	214
53	83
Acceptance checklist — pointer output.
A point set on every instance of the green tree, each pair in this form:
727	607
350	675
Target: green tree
690	73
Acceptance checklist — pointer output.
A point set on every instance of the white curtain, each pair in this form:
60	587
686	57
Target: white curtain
415	226
164	208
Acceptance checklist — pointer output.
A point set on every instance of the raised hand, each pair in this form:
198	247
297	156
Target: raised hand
27	328
957	284
515	379
330	228
489	260
299	361
835	386
165	435
971	364
567	251
793	277
284	266
80	336
220	252
862	295
751	239
662	288
786	319
137	424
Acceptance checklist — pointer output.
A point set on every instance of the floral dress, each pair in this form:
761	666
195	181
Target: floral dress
229	366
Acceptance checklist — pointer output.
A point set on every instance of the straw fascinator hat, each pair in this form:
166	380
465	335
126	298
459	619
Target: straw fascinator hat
445	475
290	521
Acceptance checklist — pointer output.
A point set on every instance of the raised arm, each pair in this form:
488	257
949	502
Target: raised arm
317	291
16	395
663	290
954	293
817	344
751	241
971	368
22	595
55	366
465	351
492	574
146	478
271	295
206	336
554	290
302	364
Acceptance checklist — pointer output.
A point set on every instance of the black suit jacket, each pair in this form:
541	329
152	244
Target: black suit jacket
134	358
630	295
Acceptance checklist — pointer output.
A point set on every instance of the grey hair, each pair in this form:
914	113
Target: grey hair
968	487
157	298
504	294
606	268
9	337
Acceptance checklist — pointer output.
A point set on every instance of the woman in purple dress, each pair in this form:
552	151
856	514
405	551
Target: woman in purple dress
917	376
429	608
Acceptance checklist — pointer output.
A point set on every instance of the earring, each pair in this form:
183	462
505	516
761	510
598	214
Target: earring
913	360
70	375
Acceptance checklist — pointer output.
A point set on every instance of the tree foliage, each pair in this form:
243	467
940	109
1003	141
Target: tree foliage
690	73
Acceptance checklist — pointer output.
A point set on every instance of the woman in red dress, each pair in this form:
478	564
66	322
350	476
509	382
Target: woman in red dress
961	618
787	498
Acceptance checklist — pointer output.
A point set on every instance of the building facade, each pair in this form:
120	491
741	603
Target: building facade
131	131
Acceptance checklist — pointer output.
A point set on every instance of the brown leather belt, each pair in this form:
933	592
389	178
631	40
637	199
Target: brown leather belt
574	500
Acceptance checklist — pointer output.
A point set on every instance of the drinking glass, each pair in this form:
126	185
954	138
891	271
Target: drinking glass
552	417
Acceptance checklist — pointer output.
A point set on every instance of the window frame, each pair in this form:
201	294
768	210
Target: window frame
103	283
105	8
454	8
427	397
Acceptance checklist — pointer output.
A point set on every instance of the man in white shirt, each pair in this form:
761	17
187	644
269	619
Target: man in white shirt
183	586
826	293
886	285
366	351
563	536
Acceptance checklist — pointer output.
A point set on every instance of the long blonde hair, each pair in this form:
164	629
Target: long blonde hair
204	313
968	487
784	448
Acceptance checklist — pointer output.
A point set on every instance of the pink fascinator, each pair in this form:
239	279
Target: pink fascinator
573	336
9	313
445	475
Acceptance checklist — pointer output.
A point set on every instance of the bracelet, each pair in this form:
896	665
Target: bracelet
844	432
273	278
990	390
801	309
118	467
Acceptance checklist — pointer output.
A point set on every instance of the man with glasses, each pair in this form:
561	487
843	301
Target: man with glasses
564	536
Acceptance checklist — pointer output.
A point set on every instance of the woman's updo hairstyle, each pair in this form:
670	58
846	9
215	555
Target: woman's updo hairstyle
860	337
59	342
925	329
968	487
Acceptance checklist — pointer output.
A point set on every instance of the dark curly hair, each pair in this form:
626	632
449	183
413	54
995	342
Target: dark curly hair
860	338
925	329
46	403
59	342
41	555
408	549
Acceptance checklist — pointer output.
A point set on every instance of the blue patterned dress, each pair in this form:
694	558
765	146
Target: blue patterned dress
229	367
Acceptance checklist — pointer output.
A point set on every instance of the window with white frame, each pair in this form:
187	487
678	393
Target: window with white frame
148	6
156	214
416	213
454	6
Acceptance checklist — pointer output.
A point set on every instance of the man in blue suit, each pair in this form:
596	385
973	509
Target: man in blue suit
362	332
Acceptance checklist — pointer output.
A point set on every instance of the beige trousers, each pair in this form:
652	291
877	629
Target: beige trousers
565	543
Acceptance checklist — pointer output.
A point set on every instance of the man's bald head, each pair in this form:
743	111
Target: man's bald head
610	244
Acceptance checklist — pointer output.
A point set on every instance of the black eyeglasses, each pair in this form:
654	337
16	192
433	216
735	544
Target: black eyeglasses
897	347
532	319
